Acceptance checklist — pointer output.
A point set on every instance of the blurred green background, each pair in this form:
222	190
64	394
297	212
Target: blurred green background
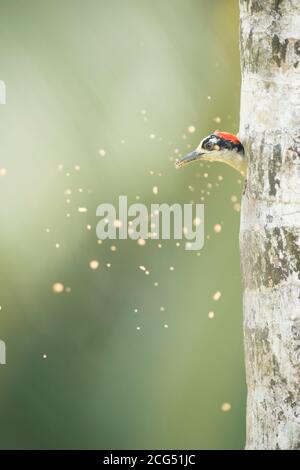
128	77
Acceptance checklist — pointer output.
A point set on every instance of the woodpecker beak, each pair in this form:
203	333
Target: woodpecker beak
190	157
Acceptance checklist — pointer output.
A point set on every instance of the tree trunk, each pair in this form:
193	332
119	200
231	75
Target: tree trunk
270	220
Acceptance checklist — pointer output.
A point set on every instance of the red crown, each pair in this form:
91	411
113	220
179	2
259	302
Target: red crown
225	135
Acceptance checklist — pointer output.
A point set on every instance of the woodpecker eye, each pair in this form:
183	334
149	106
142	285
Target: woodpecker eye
209	146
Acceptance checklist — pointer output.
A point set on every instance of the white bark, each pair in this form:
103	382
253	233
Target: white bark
270	220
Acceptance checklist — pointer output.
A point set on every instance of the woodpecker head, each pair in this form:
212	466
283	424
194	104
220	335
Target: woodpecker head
218	147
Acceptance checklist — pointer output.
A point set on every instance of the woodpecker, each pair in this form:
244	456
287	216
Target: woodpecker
218	147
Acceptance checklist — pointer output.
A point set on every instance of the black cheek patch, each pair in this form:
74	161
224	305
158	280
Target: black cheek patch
226	144
240	149
229	145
